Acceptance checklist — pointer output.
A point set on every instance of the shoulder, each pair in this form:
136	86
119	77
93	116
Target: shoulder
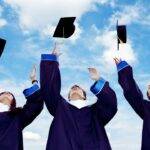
15	111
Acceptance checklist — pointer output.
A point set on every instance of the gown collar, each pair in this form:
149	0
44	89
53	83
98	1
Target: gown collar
81	103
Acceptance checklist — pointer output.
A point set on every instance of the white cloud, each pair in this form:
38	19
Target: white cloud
107	38
43	15
108	41
128	14
3	22
122	126
28	135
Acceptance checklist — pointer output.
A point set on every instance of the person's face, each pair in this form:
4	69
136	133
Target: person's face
76	93
6	99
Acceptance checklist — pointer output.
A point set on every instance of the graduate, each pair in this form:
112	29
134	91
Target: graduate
135	98
76	125
13	120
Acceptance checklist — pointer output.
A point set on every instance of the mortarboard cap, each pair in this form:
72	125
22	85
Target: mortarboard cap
121	34
65	27
2	45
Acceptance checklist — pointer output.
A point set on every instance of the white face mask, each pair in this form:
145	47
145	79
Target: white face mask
3	107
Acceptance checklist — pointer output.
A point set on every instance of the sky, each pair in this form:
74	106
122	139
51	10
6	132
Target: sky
28	26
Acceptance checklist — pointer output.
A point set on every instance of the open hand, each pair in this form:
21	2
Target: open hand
56	51
33	74
117	60
94	74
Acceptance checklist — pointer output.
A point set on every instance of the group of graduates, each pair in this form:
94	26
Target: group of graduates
76	125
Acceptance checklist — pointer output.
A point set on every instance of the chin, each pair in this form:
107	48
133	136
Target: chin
75	96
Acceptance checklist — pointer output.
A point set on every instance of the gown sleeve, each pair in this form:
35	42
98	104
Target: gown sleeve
50	80
33	106
130	88
106	105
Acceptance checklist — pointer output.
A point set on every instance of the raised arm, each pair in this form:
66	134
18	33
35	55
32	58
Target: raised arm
130	88
34	103
50	81
106	106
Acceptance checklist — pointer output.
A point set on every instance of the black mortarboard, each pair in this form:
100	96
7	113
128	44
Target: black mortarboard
121	34
2	45
65	27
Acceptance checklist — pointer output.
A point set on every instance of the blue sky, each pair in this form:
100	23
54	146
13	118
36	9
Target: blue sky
28	26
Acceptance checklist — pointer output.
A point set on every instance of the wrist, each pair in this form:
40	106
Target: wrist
98	78
49	57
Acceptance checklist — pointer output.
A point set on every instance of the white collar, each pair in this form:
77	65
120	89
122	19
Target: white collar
81	103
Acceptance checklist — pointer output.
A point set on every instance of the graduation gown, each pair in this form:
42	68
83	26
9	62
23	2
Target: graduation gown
12	123
73	128
135	98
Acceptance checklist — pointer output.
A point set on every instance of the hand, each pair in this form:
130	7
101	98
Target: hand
33	74
117	60
56	51
94	74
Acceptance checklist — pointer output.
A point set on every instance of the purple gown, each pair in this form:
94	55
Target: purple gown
135	98
12	123
73	128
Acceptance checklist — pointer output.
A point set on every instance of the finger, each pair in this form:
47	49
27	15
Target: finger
34	68
89	69
55	45
33	71
115	61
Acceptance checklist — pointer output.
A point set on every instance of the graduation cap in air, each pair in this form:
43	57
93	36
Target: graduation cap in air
65	27
121	34
2	45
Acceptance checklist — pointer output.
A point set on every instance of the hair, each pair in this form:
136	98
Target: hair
13	103
84	93
148	95
13	110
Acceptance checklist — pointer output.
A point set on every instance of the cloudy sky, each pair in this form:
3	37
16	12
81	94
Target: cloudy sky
28	26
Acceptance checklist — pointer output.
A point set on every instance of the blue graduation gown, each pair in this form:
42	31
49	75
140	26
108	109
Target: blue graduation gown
135	98
73	128
12	123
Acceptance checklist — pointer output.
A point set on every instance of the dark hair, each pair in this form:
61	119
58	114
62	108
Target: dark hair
148	95
84	93
13	111
13	103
